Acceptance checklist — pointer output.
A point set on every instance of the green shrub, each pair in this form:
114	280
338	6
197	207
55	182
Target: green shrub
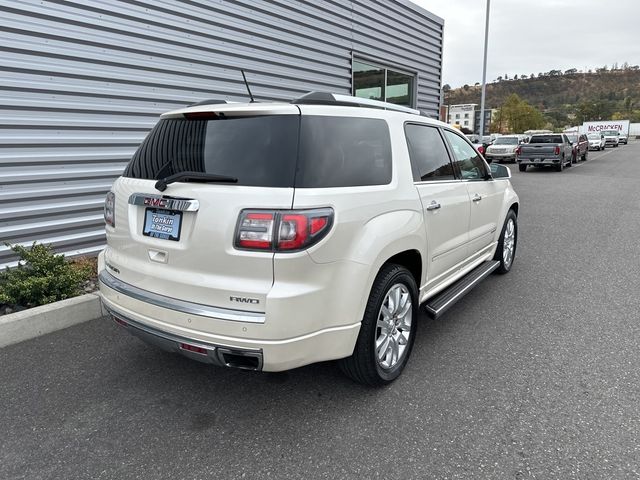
41	277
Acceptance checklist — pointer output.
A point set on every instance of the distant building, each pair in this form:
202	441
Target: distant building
462	115
488	114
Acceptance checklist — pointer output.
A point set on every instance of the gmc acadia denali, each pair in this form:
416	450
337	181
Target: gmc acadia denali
268	236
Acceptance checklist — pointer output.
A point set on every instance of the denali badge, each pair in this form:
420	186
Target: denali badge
112	268
252	301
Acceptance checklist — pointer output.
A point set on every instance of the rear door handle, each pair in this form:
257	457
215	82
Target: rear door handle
433	205
476	198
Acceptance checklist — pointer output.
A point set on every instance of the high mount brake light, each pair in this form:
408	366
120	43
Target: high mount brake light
282	230
201	115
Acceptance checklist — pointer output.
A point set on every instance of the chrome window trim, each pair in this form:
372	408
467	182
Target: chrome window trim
430	182
182	306
179	204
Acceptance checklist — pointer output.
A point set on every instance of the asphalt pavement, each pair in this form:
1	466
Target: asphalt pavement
534	374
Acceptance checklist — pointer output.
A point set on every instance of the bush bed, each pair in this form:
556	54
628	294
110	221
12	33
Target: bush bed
42	277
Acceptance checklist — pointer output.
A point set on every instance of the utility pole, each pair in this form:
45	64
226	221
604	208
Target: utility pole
484	71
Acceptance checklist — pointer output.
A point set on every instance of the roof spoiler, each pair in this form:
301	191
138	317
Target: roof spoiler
325	98
211	101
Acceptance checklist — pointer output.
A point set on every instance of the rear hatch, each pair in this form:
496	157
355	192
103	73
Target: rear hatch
180	242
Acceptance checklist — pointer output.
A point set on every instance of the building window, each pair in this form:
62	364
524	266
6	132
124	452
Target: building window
466	122
384	84
466	115
457	116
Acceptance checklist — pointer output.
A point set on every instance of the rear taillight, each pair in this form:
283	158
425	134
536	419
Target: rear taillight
518	151
481	149
282	230
255	230
557	151
110	209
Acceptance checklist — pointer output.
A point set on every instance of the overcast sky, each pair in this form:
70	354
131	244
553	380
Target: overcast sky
535	36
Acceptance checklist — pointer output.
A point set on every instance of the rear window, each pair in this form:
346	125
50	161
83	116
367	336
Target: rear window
506	141
258	151
264	150
546	139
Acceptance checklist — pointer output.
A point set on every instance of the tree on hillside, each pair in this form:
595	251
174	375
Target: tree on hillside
446	87
516	115
590	111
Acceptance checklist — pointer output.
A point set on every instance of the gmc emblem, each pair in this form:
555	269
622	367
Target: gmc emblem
252	301
155	202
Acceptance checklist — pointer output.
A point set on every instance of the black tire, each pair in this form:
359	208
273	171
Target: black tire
522	168
616	145
602	148
560	166
363	366
505	266
574	158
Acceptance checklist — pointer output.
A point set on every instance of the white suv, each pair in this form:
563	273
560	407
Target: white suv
269	236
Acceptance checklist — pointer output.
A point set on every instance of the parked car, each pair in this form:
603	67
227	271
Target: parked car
503	149
545	150
580	144
623	138
611	137
267	236
596	141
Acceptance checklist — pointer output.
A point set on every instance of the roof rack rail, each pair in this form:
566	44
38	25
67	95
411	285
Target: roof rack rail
325	98
211	101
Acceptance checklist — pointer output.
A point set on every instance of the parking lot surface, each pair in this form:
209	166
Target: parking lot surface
535	374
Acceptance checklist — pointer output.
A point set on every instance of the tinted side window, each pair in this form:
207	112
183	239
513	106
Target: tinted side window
343	152
471	165
429	157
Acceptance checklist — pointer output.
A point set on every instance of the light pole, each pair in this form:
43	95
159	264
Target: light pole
484	71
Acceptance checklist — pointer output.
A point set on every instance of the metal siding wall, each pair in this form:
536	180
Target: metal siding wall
82	82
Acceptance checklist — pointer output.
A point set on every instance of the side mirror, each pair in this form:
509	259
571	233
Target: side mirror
500	171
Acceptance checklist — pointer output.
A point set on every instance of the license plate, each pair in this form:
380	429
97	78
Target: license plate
164	224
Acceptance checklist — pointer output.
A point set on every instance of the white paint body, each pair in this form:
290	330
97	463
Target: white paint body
313	300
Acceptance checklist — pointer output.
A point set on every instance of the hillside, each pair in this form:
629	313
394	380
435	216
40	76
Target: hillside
569	96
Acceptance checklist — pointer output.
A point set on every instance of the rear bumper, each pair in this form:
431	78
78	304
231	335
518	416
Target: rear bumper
501	157
538	161
252	346
205	352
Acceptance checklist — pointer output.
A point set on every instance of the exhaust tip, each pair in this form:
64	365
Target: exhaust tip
240	359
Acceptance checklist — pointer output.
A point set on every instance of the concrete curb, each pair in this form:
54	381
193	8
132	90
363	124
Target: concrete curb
34	322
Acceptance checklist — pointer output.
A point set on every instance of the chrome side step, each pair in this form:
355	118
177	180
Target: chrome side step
444	300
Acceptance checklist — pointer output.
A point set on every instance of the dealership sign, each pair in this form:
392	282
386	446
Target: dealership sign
597	127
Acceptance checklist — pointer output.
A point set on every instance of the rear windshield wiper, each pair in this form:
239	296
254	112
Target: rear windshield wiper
162	184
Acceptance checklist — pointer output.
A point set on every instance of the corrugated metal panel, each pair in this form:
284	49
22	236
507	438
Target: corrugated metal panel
83	82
